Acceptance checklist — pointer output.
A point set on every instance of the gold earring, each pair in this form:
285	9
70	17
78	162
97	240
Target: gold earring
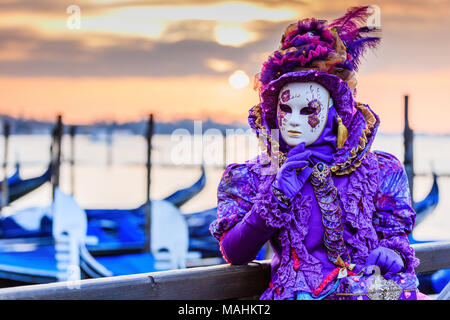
342	133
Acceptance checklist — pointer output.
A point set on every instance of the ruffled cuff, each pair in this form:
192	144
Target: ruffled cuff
401	245
221	225
280	197
269	209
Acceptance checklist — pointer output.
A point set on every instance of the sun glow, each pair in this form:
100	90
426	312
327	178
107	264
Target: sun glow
219	65
239	79
230	34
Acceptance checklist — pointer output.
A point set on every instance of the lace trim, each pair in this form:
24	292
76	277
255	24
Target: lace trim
267	206
357	201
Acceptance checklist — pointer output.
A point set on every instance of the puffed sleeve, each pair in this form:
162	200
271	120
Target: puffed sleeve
394	217
239	228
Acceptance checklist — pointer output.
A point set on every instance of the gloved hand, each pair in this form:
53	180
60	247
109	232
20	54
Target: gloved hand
389	261
289	179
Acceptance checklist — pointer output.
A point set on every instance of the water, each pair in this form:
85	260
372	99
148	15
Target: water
115	176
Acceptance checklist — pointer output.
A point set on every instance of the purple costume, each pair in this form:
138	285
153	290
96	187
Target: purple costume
372	195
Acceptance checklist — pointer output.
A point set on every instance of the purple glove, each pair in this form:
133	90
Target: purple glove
289	179
389	261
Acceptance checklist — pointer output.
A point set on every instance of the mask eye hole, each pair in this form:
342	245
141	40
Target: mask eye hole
285	108
307	111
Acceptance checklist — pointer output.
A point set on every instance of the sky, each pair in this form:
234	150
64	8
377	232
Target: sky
119	60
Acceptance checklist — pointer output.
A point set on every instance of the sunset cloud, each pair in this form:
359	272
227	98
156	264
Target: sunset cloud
130	55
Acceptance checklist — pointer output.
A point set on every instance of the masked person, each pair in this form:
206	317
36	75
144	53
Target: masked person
336	214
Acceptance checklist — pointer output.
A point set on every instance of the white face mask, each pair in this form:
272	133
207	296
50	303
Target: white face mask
302	112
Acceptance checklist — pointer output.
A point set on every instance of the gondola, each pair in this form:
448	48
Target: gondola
180	197
51	258
425	207
432	282
18	187
14	177
120	237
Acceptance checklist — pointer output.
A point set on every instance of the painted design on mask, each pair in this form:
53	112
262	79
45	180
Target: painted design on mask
313	120
302	117
281	117
314	108
286	95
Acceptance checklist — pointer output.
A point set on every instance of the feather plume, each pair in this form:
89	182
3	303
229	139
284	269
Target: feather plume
357	48
349	24
357	36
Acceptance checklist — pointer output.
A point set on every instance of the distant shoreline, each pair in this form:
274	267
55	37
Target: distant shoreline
21	126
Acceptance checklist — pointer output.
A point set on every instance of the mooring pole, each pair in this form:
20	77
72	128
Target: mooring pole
56	153
109	144
148	209
73	130
6	132
408	136
224	134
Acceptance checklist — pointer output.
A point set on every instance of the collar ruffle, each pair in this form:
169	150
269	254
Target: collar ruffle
362	131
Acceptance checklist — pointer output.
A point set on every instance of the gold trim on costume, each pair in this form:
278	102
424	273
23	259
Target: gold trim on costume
367	131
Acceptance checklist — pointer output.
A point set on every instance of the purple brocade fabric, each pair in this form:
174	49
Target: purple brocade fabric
235	193
357	203
394	218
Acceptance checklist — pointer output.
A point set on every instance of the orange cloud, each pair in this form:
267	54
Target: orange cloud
179	51
82	100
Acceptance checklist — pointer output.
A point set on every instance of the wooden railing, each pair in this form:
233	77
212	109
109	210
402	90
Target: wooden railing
219	282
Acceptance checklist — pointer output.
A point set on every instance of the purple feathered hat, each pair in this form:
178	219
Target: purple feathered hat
329	54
